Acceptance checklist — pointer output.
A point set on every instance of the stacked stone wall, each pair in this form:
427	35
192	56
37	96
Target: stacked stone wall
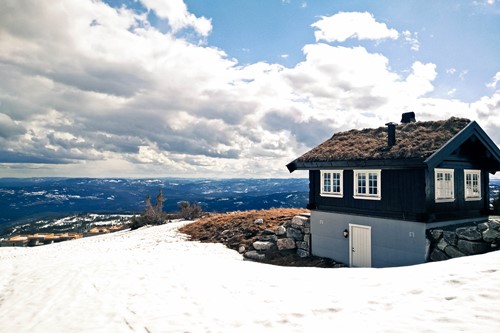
294	234
447	243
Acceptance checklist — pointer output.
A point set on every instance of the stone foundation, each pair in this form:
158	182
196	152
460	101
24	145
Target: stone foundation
447	243
293	234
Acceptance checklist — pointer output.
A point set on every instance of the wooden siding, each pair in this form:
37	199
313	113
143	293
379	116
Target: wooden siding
402	196
466	157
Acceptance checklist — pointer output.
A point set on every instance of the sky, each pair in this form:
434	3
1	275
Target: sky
196	88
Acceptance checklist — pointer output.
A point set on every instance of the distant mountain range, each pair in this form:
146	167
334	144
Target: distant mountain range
44	203
33	199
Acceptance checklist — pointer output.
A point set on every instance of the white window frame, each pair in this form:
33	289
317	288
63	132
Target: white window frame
331	193
469	193
366	174
444	189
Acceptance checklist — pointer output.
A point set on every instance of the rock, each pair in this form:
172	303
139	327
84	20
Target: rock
262	246
490	235
249	234
268	232
242	249
482	226
226	233
254	255
281	230
258	221
307	238
302	253
286	244
233	245
268	238
494	224
436	234
453	252
469	247
294	233
427	249
300	222
450	237
469	233
307	230
303	245
437	255
442	244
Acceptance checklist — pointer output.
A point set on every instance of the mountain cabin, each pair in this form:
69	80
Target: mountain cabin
373	193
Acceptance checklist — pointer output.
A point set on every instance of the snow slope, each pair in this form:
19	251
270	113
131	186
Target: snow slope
152	280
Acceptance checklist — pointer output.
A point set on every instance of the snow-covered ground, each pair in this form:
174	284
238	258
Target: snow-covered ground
152	280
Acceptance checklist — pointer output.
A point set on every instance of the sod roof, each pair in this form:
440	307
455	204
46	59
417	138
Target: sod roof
416	140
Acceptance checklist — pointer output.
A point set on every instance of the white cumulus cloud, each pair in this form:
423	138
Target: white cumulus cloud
494	82
99	91
345	25
178	16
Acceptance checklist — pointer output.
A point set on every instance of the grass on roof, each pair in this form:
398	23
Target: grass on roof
413	140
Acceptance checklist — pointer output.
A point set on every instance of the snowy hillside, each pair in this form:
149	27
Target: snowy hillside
152	280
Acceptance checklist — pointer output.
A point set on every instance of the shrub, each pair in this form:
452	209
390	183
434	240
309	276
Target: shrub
189	211
153	215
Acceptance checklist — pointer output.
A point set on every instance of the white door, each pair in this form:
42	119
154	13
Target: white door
360	242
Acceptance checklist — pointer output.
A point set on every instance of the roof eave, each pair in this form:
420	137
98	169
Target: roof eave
354	164
292	166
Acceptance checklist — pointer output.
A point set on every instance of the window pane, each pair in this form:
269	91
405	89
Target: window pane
472	184
336	182
327	187
475	184
372	183
362	183
444	185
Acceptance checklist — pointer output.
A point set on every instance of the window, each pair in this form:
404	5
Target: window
367	184
472	184
444	185
331	183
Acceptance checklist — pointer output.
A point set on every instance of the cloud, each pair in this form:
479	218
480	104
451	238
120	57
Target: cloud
99	91
342	26
176	12
9	128
412	39
494	82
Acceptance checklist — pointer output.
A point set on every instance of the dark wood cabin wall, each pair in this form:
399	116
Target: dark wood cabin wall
402	192
459	208
314	180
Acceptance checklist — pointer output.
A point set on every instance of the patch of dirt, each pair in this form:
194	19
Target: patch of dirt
239	228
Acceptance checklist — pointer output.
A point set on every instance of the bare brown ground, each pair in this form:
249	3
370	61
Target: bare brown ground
238	228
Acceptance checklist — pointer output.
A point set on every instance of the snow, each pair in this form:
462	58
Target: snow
153	280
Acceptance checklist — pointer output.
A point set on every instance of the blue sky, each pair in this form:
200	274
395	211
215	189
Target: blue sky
147	88
458	36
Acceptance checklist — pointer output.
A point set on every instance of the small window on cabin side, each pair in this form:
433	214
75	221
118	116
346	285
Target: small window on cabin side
331	183
444	185
472	184
367	184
